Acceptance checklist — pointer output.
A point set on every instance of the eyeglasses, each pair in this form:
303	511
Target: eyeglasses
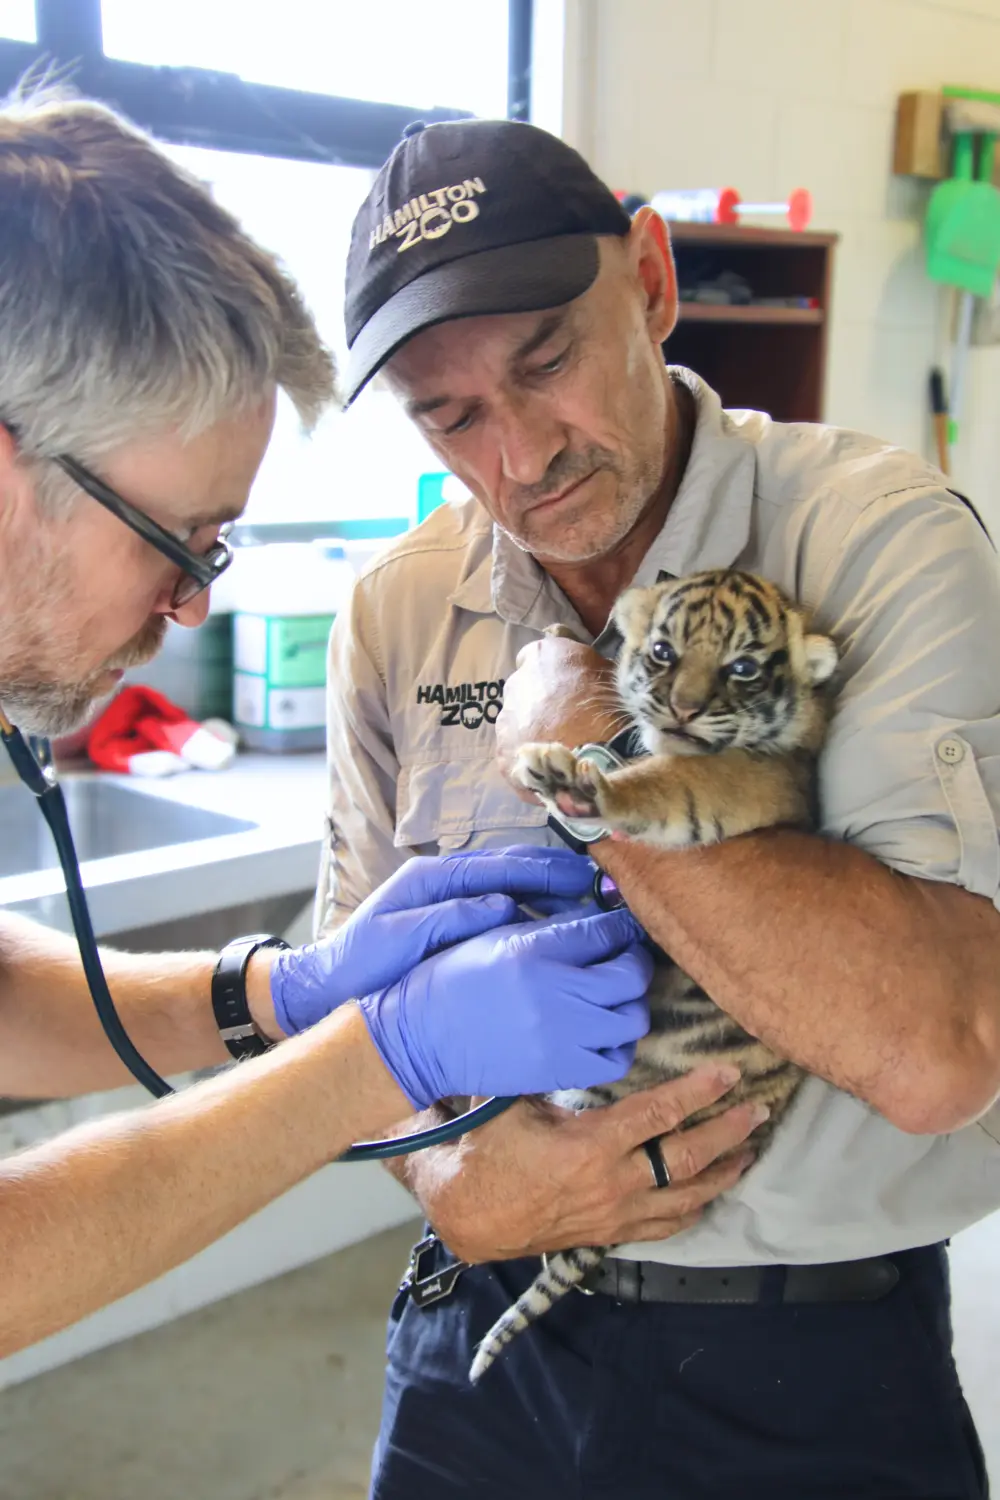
198	570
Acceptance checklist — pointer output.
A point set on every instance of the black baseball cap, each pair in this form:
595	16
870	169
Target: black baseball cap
470	217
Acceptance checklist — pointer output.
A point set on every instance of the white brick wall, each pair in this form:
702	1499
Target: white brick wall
777	94
766	96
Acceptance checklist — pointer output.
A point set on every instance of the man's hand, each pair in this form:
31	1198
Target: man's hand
541	1179
562	691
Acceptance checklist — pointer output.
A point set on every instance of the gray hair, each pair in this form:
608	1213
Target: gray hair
130	301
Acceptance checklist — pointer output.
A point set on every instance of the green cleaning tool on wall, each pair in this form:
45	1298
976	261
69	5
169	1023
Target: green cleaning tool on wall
963	221
963	233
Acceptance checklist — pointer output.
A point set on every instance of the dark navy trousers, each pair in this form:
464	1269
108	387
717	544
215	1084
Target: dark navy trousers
605	1401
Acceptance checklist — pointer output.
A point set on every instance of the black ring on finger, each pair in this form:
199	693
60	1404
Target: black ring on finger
661	1173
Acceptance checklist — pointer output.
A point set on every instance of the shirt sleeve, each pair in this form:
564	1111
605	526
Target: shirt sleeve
911	769
358	851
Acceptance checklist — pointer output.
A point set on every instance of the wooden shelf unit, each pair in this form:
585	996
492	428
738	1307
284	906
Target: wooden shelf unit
769	358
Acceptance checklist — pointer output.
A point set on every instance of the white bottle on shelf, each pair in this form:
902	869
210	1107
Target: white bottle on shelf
687	205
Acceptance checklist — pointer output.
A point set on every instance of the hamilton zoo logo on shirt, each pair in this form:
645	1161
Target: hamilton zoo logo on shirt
469	704
430	215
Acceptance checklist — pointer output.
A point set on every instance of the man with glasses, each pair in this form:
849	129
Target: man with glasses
144	338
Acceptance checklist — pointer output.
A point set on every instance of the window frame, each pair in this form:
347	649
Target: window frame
200	107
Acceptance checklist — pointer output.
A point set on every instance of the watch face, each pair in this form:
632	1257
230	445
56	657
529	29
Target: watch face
604	758
591	830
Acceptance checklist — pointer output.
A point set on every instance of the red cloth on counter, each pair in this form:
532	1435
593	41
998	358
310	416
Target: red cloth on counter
139	720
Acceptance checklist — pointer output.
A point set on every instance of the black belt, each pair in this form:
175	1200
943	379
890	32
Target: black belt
651	1281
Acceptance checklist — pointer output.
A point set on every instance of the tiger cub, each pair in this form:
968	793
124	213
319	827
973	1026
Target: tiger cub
724	683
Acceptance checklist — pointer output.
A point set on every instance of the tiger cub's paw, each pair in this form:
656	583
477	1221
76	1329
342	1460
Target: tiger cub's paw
575	785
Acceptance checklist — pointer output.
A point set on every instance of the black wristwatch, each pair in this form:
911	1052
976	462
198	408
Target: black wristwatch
229	996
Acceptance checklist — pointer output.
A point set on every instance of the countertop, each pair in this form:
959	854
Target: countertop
283	796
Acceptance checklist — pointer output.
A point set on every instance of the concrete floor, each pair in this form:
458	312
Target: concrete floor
271	1395
274	1394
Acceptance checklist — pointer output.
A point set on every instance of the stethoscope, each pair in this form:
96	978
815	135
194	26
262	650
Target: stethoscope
43	783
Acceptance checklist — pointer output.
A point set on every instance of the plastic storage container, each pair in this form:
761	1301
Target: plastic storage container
287	598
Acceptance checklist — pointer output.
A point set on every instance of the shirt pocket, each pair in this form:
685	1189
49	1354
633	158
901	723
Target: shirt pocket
446	804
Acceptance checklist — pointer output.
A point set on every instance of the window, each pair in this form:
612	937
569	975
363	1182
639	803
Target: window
450	53
287	108
314	80
317	80
364	465
17	20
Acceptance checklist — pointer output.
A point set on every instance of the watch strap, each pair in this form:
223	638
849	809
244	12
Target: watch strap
557	825
229	995
628	744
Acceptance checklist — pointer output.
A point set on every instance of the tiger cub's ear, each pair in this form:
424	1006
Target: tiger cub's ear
820	657
633	611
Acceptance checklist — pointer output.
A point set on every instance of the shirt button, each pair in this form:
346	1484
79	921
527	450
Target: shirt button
951	751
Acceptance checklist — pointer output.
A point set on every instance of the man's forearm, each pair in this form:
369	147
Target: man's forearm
51	1042
884	984
99	1211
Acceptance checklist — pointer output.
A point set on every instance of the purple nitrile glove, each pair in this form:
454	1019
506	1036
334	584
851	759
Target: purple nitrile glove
548	905
520	1010
427	905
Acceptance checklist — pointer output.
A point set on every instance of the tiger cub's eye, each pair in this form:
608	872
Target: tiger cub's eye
662	651
744	668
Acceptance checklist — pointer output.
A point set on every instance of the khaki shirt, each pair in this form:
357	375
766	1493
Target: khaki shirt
901	574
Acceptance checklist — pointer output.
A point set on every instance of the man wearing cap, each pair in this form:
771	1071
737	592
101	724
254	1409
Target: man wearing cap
783	1332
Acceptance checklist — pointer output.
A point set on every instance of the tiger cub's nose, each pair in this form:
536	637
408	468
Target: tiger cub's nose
685	708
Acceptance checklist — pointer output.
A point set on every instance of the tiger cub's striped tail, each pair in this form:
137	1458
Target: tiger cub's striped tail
559	1275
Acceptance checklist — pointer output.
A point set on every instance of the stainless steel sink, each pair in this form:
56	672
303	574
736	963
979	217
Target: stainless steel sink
106	819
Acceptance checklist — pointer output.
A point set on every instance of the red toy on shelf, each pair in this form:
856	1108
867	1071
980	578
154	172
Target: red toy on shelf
798	209
720	206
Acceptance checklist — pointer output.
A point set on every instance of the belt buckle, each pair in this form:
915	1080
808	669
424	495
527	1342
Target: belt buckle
436	1286
585	1291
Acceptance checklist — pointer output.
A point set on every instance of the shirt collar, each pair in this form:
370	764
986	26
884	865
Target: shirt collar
501	580
708	526
506	581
